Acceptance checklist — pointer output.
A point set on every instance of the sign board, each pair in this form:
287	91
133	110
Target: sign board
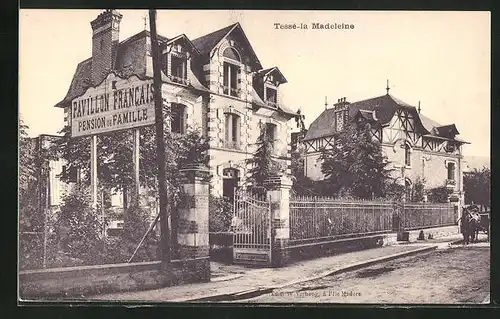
116	104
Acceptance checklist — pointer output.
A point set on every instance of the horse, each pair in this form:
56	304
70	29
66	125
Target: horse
471	224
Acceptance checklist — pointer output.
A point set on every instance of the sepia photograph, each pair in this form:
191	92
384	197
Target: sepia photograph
254	156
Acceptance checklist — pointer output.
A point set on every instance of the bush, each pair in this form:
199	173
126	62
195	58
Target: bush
220	214
78	227
136	223
439	194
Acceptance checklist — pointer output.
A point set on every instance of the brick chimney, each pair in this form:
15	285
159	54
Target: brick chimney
341	103
105	31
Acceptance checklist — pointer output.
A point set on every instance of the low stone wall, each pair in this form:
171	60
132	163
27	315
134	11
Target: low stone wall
85	281
336	246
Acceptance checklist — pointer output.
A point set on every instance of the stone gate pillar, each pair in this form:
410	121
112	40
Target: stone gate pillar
279	194
192	219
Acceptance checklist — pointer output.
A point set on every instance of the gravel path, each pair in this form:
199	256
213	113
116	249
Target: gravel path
258	277
449	275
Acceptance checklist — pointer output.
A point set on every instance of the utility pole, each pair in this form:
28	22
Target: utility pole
160	143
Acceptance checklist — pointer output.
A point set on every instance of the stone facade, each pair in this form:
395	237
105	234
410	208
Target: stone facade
209	78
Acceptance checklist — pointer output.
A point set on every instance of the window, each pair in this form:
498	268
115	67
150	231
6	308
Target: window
177	118
451	171
407	155
271	132
71	173
231	79
271	96
231	54
450	147
178	67
232	139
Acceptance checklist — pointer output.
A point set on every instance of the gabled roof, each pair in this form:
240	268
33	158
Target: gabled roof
258	102
83	74
380	109
367	115
80	82
206	43
447	130
179	38
384	107
274	71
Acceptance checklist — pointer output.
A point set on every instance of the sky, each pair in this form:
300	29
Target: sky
441	59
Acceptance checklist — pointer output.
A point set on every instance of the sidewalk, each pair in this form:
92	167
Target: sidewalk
267	279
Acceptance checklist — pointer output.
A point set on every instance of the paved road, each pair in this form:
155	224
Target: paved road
458	274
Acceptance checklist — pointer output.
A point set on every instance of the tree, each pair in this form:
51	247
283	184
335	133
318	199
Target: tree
477	187
26	157
263	166
439	194
418	190
78	226
356	164
28	182
220	214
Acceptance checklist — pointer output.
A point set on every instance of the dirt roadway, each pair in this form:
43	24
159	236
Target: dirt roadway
451	276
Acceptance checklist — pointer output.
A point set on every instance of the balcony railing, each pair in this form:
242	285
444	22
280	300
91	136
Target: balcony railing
231	91
178	79
272	104
234	145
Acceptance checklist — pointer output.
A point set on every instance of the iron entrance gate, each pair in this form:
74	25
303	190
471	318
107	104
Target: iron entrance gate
252	229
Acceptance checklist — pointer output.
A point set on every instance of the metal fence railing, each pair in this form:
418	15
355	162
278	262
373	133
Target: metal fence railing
321	217
316	218
426	215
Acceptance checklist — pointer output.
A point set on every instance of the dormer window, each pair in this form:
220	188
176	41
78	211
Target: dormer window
232	70
271	96
178	67
231	79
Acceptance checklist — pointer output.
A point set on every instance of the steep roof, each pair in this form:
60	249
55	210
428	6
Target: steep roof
82	79
380	109
274	70
206	43
384	106
80	82
181	37
202	46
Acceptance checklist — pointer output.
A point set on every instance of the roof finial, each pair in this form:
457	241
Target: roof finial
326	102
145	18
387	88
419	107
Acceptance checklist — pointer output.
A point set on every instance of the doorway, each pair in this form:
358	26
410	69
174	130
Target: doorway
230	181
